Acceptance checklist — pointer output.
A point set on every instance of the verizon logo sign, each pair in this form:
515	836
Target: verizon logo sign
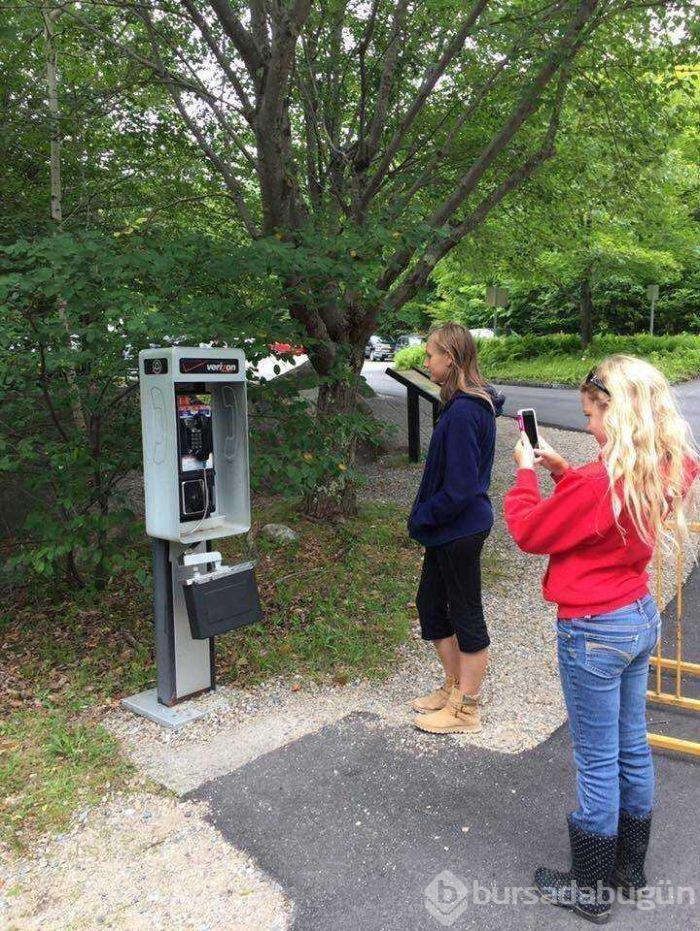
209	366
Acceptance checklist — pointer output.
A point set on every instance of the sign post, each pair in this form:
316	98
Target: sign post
496	297
653	295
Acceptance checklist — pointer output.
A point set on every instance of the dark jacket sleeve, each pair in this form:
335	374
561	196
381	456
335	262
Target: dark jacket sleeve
462	459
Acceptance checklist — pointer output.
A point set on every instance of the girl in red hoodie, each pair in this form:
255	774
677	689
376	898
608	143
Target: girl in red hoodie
599	529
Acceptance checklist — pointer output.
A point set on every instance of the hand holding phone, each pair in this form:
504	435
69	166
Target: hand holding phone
550	459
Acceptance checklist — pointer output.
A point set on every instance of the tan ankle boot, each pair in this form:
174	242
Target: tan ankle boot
435	700
460	715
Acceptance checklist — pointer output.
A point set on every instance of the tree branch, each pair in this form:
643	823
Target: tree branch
529	102
202	92
442	150
281	204
46	394
159	69
241	38
181	200
419	275
258	22
232	183
225	65
362	47
426	88
367	150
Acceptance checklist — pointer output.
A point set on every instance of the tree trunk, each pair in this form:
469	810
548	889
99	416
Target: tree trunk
586	313
50	17
335	496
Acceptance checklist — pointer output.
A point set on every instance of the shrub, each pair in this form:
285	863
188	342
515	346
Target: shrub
560	358
410	357
75	310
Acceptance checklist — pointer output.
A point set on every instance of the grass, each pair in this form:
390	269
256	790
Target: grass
565	371
399	460
338	605
50	765
559	358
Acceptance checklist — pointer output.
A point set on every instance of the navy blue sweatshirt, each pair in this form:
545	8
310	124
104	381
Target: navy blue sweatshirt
452	499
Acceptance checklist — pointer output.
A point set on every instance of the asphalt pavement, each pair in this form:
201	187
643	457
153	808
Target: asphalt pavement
556	407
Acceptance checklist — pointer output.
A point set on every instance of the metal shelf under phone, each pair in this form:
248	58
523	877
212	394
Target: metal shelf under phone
224	599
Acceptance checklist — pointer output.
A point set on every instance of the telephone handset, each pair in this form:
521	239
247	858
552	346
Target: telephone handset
197	436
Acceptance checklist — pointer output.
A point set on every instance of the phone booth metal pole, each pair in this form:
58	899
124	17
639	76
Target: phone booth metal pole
196	485
185	666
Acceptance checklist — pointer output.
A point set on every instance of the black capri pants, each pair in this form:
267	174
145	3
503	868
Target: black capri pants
449	593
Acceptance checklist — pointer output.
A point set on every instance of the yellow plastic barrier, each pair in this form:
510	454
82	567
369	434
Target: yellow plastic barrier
660	664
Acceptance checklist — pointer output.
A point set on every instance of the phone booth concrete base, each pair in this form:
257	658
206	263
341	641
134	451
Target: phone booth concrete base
147	705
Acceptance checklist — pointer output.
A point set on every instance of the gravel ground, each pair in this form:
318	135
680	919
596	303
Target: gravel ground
101	875
140	862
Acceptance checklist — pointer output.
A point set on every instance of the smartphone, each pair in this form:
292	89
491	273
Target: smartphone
527	421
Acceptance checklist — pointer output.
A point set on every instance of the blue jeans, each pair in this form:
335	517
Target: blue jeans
604	670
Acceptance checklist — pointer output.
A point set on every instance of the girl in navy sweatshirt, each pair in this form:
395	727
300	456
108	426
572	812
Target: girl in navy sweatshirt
599	529
451	517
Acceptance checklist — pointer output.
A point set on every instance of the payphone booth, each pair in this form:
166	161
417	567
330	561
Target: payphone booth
196	482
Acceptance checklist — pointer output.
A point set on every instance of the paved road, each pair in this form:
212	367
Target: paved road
556	407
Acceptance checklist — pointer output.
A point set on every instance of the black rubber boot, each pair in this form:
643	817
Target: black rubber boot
583	887
632	842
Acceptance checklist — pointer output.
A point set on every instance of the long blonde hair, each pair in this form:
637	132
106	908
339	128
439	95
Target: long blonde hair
464	374
647	447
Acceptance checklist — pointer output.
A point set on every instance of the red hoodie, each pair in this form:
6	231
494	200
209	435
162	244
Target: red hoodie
592	568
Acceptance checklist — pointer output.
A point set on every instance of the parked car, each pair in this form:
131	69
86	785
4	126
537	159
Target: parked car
379	348
409	339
